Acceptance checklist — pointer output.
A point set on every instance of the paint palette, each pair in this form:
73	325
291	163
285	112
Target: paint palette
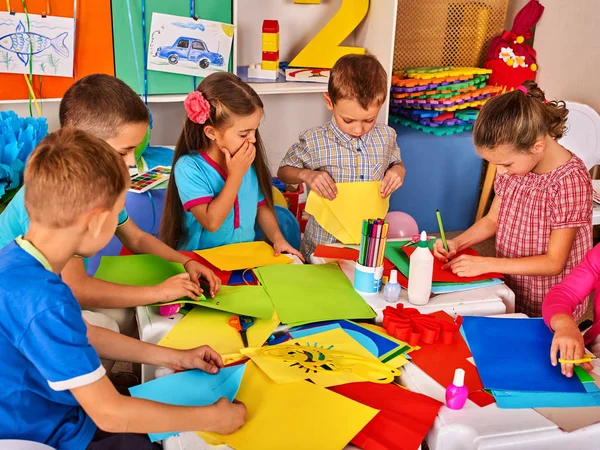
145	181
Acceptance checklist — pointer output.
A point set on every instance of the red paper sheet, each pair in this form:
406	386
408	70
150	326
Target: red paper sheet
439	361
404	419
446	276
327	251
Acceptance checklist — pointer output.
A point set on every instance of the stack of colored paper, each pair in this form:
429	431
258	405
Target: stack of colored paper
513	360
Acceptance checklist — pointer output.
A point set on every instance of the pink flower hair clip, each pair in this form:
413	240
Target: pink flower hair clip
197	107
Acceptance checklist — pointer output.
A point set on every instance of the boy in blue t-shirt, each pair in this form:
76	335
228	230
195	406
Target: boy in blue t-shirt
55	390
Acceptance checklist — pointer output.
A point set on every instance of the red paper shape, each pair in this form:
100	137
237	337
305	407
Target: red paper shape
446	276
439	361
409	325
404	419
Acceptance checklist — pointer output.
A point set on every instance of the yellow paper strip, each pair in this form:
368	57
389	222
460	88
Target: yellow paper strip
245	255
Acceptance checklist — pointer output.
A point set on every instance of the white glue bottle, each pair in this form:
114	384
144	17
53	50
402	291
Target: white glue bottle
420	273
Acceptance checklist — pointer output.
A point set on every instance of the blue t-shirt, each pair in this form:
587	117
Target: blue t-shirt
45	352
199	180
14	220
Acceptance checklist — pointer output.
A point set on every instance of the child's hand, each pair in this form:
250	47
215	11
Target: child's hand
440	252
569	341
203	358
282	246
238	164
322	183
197	271
392	181
177	287
229	417
469	266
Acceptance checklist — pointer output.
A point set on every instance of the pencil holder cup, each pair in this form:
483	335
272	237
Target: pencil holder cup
367	280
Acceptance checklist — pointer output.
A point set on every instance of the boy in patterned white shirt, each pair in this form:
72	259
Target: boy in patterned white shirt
352	147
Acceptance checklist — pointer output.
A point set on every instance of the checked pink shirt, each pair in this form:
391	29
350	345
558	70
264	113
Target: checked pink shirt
530	208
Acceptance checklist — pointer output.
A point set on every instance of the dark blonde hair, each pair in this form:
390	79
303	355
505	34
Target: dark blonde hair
101	104
518	119
70	173
358	77
228	96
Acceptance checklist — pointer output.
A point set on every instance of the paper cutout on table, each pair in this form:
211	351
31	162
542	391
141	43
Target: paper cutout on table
305	293
327	359
244	255
409	325
439	361
190	388
513	354
279	415
404	419
189	46
202	326
340	216
250	301
44	43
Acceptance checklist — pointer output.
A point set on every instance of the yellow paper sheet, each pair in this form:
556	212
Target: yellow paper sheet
343	216
346	360
296	416
202	326
245	255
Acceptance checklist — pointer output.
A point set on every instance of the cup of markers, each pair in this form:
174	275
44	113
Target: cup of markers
369	267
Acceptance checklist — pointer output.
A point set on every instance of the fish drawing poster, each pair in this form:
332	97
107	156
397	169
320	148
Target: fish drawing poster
46	44
189	46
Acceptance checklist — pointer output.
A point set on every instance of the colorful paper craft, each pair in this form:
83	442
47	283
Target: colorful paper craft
190	388
340	216
202	326
514	355
439	361
404	418
278	416
244	255
312	293
327	359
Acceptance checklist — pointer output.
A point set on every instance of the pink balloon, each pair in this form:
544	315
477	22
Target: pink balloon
401	225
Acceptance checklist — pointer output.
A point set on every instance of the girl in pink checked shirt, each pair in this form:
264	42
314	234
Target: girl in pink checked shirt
542	211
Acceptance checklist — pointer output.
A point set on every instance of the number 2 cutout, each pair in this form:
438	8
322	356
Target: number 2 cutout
324	50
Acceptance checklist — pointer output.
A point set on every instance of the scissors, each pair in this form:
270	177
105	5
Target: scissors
241	324
205	289
415	240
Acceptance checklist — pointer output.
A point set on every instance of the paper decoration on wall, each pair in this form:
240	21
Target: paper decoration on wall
328	359
189	46
46	43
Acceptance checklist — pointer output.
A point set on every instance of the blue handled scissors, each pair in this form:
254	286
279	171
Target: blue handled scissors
241	324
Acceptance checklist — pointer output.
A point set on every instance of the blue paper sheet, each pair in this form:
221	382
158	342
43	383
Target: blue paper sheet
514	355
524	399
190	388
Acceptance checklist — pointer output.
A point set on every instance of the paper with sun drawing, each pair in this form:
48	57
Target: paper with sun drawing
46	44
328	359
187	46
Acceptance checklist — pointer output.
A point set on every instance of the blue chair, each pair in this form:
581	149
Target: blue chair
287	223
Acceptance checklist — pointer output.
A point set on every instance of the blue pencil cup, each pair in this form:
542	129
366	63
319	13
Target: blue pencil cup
367	280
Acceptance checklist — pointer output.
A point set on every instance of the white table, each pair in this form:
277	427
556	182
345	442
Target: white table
492	428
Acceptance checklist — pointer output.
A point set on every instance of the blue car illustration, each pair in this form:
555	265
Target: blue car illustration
191	49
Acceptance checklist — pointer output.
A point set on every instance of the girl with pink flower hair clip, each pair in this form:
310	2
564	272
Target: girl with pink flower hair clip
220	187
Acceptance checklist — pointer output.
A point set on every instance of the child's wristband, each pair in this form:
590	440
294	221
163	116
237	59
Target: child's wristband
187	262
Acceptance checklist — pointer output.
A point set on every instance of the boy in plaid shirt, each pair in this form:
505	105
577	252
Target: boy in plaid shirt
352	147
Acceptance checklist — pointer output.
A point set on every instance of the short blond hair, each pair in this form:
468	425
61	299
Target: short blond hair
70	173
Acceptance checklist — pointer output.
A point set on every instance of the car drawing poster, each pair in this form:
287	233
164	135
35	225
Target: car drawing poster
189	46
44	45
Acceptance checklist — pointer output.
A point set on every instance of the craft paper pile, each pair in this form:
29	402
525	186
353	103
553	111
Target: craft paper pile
440	100
513	360
305	293
18	137
245	255
150	270
340	216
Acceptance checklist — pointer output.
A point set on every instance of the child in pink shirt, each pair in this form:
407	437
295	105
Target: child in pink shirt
560	304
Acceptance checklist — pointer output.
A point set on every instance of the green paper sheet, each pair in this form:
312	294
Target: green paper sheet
125	65
150	270
312	293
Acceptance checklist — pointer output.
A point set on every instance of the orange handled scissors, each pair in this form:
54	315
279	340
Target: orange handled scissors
241	324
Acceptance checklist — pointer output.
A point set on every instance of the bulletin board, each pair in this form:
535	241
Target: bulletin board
93	47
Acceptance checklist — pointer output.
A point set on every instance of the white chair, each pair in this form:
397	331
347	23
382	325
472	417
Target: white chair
583	139
13	444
